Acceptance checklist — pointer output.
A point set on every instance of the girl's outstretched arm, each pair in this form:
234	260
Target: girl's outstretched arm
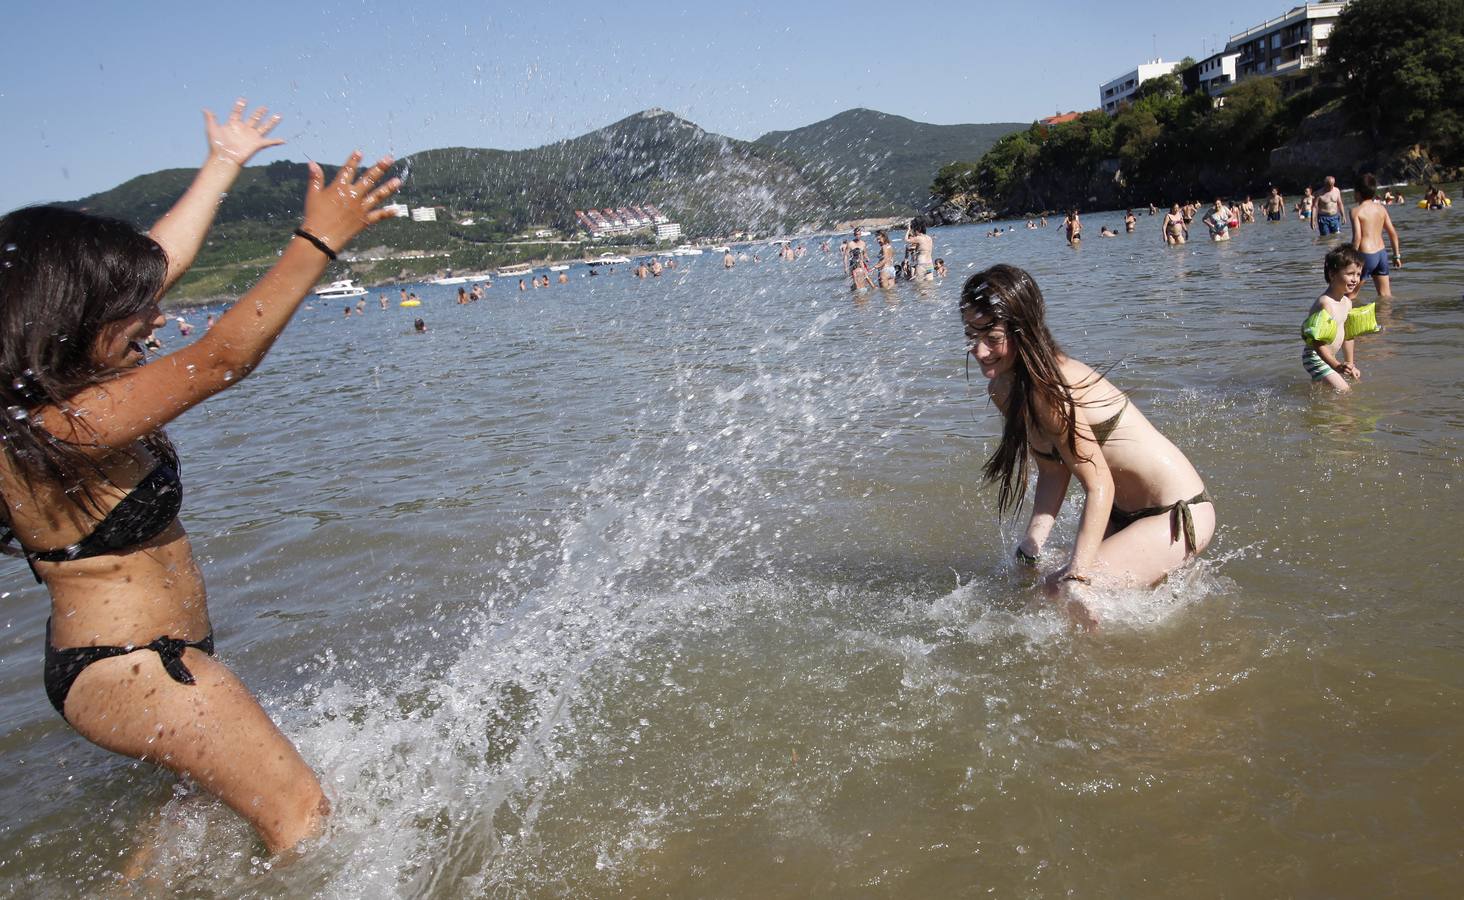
120	410
231	143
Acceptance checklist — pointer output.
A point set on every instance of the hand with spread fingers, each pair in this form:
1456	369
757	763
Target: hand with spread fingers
337	212
236	139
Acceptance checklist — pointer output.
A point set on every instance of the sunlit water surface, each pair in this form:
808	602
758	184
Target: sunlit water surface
690	587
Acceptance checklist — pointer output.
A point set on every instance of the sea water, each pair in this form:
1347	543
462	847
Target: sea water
690	587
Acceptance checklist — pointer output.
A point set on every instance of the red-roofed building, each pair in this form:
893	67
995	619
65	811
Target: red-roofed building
1059	119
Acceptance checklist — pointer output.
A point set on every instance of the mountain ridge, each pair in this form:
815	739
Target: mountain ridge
891	154
712	184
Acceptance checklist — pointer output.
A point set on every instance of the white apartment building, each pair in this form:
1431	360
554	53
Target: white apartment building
1113	94
1216	72
668	231
399	210
424	214
1287	46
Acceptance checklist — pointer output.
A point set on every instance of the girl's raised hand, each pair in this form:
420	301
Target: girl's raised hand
337	212
236	138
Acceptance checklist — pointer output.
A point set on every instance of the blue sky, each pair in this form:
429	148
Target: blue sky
95	93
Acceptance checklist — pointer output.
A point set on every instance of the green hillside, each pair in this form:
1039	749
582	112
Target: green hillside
858	164
892	156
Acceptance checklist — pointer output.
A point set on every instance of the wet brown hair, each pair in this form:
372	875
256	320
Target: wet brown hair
64	275
1010	296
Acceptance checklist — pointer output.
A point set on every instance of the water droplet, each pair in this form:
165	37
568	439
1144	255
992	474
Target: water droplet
16	413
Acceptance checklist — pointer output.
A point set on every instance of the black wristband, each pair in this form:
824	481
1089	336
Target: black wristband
319	244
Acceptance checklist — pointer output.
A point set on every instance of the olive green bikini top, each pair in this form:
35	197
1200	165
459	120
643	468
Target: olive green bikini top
1101	433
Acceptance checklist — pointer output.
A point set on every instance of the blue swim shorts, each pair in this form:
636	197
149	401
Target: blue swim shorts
1328	225
1375	263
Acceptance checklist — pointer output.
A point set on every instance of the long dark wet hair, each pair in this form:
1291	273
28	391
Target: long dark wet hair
1010	296
63	276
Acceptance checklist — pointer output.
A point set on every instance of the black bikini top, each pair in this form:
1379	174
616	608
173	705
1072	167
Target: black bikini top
142	515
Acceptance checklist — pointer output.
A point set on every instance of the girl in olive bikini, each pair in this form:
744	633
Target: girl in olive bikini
1146	510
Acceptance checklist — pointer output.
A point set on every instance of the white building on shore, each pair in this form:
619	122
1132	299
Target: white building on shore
424	214
1287	46
1113	94
1215	73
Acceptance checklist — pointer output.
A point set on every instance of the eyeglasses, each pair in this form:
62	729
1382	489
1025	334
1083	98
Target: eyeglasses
993	336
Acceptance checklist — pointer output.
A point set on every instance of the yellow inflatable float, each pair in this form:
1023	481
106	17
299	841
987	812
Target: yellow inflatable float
411	303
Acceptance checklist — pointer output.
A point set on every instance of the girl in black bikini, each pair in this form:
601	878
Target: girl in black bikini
90	483
1146	511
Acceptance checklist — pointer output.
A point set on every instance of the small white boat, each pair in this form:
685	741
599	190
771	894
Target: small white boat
720	249
338	290
559	267
451	279
514	270
609	259
686	250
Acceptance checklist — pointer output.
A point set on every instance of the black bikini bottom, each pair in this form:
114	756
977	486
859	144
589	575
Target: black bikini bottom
1183	522
63	665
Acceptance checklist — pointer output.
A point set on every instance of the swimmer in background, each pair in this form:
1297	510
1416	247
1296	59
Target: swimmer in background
940	268
1130	222
348	310
1305	204
924	250
856	262
420	326
1329	209
886	264
1174	227
405	298
1218	221
185	328
1275	205
1324	331
563	278
1370	221
728	260
209	322
1105	231
1146	511
1247	211
1073	226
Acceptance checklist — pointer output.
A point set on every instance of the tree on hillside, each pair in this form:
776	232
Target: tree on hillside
953	179
1158	86
1401	67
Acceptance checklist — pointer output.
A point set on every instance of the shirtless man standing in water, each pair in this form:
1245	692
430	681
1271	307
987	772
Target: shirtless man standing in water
1275	205
1328	209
